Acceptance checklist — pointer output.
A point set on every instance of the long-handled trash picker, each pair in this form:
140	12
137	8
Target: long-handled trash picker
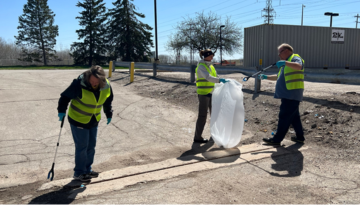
257	73
51	172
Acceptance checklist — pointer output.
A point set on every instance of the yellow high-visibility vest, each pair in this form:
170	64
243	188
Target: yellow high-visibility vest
82	110
205	87
294	79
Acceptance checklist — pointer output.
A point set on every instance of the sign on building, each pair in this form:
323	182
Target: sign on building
337	36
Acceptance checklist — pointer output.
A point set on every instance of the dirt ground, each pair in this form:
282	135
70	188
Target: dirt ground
331	124
329	121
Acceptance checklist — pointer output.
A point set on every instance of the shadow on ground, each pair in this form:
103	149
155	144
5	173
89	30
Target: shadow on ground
215	155
288	159
65	195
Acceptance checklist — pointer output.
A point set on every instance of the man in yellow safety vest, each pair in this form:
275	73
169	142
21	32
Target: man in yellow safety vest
289	88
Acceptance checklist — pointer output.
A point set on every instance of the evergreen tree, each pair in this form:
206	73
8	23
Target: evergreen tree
128	37
37	33
93	48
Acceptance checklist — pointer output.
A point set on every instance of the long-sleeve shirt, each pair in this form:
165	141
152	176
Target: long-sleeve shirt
203	73
74	91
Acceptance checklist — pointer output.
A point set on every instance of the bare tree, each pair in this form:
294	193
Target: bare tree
10	54
166	59
203	32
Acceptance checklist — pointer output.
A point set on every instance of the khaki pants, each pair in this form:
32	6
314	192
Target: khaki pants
204	106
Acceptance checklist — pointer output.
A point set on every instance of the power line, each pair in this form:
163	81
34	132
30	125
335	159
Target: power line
237	9
331	6
216	10
194	10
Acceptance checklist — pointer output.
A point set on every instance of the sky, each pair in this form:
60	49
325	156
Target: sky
245	13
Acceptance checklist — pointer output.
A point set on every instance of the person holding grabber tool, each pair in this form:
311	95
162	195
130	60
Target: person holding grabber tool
289	88
87	94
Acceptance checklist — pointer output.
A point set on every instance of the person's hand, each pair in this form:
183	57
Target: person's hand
280	64
223	80
61	116
108	121
262	77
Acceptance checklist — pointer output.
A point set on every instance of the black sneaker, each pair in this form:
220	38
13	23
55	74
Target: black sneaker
297	139
83	177
271	141
93	174
201	141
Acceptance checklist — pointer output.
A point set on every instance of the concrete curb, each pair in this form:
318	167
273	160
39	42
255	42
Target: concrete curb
118	179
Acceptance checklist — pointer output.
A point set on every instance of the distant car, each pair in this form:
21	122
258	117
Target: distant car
225	63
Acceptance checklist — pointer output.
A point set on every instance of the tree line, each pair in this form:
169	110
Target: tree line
106	34
110	34
10	54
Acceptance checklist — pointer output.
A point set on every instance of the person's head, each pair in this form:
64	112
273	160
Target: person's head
95	76
284	51
207	55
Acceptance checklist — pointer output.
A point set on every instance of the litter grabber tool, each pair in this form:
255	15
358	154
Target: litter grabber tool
257	73
51	172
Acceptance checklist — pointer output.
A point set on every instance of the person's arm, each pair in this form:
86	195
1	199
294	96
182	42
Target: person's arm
70	93
294	65
107	105
272	77
203	73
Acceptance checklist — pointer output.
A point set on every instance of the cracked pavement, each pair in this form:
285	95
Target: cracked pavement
141	128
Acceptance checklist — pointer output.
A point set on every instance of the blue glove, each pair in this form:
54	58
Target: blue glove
280	64
223	80
61	116
262	77
108	121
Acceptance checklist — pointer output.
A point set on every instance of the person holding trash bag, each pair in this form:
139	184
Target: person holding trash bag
289	88
87	95
206	77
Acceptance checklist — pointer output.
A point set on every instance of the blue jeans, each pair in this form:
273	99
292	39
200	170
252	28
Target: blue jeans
289	114
85	142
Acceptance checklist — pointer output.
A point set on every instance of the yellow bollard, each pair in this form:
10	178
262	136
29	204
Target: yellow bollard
110	68
132	72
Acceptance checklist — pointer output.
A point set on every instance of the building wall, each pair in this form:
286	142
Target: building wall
313	44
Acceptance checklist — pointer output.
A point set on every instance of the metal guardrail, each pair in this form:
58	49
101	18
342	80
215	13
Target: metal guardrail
184	68
311	74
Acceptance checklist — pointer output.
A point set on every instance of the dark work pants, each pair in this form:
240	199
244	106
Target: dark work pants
289	114
85	142
204	106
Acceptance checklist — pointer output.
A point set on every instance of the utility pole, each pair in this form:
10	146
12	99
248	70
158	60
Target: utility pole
269	13
302	14
190	43
156	40
191	50
357	17
221	45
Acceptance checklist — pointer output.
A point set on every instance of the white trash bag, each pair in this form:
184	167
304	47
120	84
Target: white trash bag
227	114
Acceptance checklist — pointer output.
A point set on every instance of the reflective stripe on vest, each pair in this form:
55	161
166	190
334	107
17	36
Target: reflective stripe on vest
294	79
205	87
82	110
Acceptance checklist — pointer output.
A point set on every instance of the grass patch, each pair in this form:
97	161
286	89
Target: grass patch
54	67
